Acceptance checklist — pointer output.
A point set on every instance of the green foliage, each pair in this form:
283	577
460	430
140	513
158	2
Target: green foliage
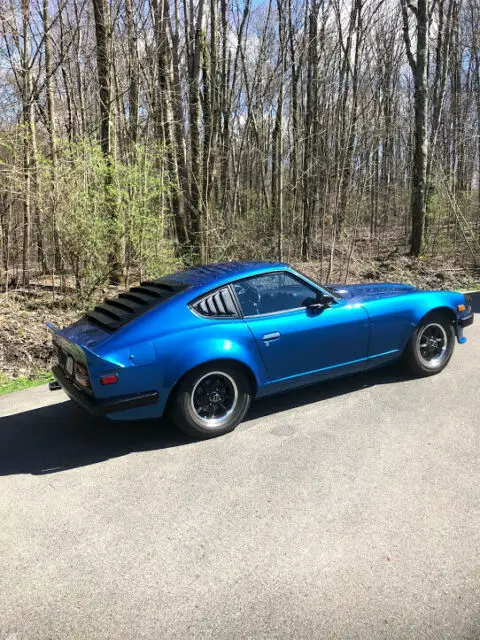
8	385
82	222
141	192
99	205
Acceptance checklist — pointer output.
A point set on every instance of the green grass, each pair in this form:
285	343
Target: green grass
17	384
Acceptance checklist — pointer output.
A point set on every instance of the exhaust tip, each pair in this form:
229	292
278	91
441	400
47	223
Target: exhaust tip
54	385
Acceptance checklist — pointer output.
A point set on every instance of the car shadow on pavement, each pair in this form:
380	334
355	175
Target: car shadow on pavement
59	437
62	436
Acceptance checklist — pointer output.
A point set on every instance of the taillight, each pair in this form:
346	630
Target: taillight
81	375
110	378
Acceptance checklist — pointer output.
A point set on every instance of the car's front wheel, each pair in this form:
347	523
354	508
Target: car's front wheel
431	345
211	400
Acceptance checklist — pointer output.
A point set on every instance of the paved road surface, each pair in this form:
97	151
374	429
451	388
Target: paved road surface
348	510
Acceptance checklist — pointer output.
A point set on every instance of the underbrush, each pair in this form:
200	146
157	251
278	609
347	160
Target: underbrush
8	385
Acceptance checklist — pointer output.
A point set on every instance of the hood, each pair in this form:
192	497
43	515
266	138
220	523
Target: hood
375	291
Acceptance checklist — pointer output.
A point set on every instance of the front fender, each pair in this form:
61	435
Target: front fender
428	301
393	320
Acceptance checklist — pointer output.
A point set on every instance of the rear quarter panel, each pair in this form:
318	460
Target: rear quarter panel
204	341
155	352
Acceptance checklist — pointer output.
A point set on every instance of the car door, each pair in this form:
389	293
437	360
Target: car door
297	342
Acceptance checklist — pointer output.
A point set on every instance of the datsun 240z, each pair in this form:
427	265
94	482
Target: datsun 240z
200	344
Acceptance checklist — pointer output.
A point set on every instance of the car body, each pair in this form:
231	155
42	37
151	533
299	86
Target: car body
125	358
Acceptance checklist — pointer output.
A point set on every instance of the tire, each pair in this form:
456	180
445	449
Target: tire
211	400
431	345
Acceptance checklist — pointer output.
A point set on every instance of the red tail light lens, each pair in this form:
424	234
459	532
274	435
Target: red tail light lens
111	378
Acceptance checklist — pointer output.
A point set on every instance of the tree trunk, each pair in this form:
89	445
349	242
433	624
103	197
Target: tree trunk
102	35
132	73
57	258
27	117
308	160
194	204
419	67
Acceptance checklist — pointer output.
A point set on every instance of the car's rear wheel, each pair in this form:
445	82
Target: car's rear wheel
431	345
211	400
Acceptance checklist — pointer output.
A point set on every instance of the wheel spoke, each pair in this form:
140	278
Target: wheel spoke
203	409
214	397
211	411
432	345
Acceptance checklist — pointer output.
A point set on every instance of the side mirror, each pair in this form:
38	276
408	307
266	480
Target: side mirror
323	301
326	299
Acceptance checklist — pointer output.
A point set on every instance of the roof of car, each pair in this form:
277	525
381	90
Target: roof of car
209	274
114	313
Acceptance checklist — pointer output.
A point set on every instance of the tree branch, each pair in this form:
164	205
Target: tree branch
406	36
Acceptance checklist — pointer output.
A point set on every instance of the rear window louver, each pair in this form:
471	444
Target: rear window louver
219	304
113	313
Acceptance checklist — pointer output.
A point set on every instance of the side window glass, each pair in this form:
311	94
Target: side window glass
272	293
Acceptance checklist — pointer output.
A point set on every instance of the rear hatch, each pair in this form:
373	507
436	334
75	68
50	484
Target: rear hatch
73	352
75	345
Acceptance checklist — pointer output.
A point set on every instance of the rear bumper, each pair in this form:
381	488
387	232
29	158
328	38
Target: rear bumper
102	407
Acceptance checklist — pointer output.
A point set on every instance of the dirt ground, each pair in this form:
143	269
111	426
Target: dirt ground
25	343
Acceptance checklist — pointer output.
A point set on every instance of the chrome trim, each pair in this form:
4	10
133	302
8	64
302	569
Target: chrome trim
276	313
271	336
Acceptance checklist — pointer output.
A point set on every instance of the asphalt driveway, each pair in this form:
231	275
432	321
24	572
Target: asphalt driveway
347	510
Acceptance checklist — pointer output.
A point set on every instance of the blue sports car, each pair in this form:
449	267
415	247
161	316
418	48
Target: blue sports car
201	343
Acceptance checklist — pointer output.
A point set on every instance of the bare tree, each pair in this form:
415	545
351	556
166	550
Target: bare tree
196	130
103	51
419	66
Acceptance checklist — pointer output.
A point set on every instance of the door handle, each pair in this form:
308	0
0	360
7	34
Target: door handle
268	337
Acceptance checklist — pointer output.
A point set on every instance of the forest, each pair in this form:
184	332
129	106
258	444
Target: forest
137	136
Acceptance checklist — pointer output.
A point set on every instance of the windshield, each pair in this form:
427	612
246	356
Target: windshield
328	289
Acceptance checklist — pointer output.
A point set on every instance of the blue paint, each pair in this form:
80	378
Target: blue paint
335	366
365	326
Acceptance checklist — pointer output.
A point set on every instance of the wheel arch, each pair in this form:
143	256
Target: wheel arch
217	362
447	312
410	356
422	314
